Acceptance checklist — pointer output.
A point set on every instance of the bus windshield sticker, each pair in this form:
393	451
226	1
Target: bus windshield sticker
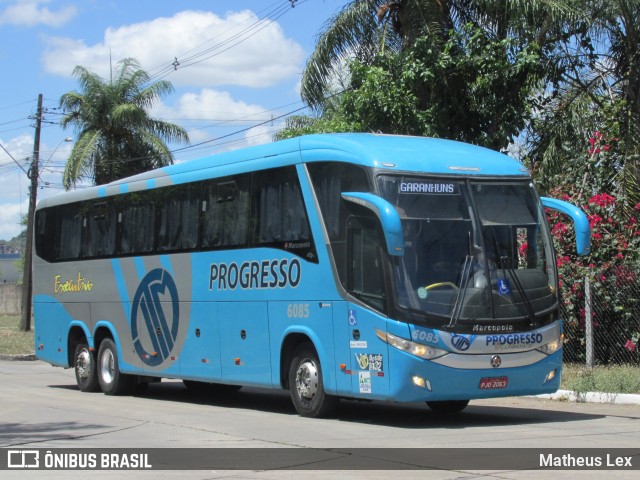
503	286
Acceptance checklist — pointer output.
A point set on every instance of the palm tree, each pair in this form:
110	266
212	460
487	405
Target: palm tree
116	135
600	92
364	29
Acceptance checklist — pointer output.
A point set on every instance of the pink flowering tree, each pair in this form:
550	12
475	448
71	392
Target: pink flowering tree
613	266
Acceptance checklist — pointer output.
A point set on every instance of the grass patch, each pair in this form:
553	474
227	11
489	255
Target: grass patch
12	340
609	379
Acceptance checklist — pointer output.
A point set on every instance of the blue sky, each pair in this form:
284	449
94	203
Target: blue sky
239	65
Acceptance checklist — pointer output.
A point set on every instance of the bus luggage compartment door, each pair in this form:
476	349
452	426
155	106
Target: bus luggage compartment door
245	355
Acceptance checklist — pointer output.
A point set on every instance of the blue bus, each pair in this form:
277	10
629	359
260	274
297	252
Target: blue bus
336	266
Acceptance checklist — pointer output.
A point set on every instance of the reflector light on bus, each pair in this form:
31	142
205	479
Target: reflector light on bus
421	382
550	376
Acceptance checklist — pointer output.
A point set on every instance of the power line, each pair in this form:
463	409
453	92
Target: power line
229	43
16	162
5	107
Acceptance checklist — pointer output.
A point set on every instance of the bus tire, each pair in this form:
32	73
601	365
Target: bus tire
448	407
306	386
84	364
112	381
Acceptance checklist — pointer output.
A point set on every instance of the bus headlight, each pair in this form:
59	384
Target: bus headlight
416	349
551	347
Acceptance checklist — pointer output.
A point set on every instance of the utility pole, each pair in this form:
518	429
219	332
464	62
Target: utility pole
27	281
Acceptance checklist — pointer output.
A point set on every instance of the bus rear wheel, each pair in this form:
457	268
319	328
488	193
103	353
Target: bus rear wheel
84	364
448	407
112	381
305	384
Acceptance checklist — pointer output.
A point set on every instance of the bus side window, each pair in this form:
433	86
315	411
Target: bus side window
45	225
178	217
136	223
329	180
99	232
281	217
226	211
69	232
364	276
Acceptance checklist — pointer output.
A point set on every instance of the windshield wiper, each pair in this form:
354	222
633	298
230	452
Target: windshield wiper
457	306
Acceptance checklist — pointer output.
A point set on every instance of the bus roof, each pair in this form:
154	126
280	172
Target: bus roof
392	152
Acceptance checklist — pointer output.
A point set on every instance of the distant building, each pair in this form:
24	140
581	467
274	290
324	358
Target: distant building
8	257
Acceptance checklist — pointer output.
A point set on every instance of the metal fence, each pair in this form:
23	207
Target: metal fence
602	318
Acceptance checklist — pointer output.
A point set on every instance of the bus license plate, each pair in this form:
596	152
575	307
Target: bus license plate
493	382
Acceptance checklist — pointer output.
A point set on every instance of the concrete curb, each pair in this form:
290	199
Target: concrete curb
593	397
18	358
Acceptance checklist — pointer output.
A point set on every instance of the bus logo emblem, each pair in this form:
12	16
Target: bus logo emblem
160	317
460	342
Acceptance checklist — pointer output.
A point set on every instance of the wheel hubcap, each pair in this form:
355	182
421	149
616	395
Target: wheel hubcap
107	366
83	365
307	380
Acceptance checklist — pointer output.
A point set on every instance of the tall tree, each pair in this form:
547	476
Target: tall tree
597	100
116	135
365	29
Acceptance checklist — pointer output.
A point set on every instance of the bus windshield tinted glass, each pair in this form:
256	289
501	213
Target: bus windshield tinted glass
473	250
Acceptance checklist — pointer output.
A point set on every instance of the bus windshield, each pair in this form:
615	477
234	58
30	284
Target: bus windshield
474	250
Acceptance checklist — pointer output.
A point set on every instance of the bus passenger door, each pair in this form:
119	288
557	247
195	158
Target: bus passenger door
365	281
244	348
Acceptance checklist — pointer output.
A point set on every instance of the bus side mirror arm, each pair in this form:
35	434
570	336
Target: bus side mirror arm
388	216
580	222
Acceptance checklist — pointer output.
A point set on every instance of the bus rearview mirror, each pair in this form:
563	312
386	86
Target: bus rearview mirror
387	215
580	222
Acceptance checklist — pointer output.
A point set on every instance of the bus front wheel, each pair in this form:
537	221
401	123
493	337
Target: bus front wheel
112	381
448	407
305	384
84	364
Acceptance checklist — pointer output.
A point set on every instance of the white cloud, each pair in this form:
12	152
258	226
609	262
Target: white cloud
14	184
20	148
263	59
32	12
10	216
259	135
211	113
209	104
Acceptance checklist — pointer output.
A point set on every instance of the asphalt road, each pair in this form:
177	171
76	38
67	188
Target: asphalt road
41	407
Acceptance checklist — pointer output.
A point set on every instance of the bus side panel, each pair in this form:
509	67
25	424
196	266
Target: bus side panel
52	321
107	315
369	362
153	312
200	357
342	350
245	355
312	319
